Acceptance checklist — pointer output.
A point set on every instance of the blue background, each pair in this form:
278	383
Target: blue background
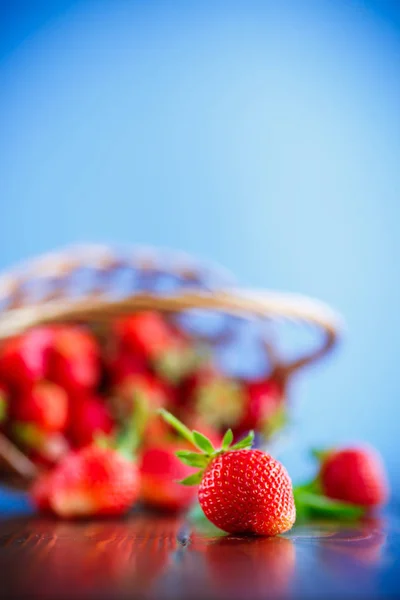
263	135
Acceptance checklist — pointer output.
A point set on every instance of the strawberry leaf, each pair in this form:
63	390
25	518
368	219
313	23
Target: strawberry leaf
312	504
192	479
227	440
202	442
177	425
245	442
193	459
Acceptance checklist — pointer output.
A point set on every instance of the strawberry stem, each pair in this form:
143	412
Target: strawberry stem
178	426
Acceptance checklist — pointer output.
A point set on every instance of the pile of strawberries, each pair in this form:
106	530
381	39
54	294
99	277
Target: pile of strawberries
147	416
61	390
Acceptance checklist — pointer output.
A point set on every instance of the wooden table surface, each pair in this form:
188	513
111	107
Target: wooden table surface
153	556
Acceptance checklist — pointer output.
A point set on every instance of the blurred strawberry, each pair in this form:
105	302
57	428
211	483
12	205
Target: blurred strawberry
45	406
93	481
147	334
144	333
264	407
40	492
123	364
355	474
89	417
160	472
24	359
74	359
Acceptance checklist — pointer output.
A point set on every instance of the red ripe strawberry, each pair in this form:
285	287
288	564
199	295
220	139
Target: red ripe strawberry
45	406
74	360
24	359
240	490
354	475
148	335
160	470
89	417
263	407
93	481
144	333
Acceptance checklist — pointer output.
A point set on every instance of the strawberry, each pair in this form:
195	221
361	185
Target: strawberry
264	408
74	360
124	364
45	406
354	475
89	417
160	469
92	481
147	334
24	359
144	333
240	490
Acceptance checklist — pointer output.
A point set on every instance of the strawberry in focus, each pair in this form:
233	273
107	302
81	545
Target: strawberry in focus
354	475
240	490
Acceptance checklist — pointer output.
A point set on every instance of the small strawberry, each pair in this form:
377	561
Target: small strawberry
93	481
89	417
24	359
96	480
264	408
240	490
45	406
74	360
147	334
160	470
354	475
144	333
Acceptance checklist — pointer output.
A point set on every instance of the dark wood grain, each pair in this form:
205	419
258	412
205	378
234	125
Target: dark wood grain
147	556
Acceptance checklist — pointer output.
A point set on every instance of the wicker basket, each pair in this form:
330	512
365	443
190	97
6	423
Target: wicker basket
95	284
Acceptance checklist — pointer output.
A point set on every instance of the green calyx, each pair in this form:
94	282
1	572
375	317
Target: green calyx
207	452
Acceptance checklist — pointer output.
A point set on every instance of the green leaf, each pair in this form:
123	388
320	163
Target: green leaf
320	454
227	440
321	506
193	459
245	442
203	443
192	479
